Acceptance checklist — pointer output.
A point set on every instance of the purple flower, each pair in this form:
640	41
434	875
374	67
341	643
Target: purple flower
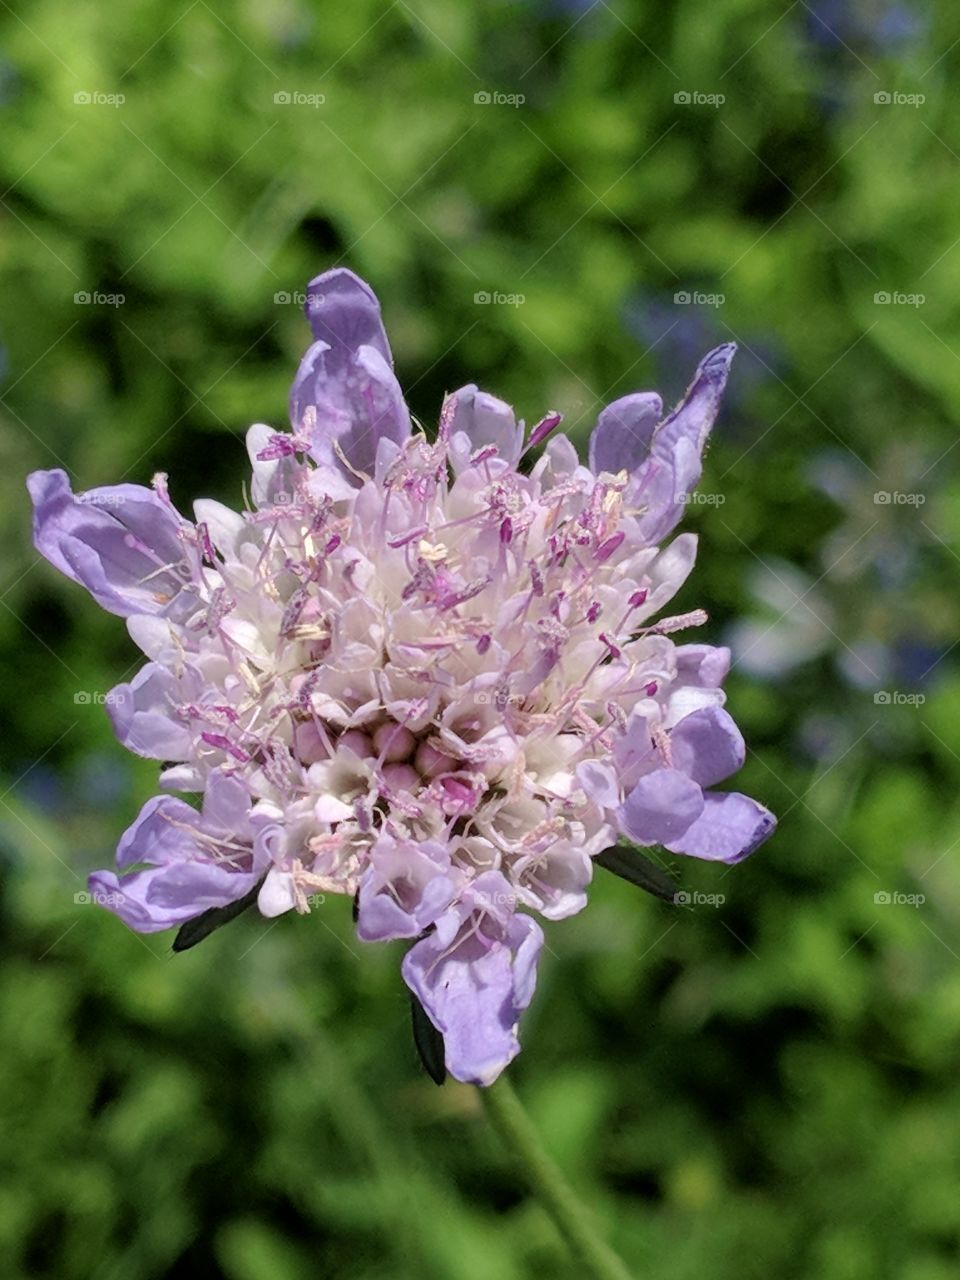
413	672
126	544
404	889
191	861
345	397
475	974
668	804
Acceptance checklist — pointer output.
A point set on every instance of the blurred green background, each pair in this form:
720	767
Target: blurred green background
761	1087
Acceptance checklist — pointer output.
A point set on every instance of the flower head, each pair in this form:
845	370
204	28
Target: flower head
421	672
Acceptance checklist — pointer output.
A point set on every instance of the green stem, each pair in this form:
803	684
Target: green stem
505	1112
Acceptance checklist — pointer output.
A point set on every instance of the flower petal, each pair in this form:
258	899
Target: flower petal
405	889
660	807
702	664
163	897
343	312
276	479
729	829
556	885
161	833
624	432
345	394
599	782
474	976
708	746
143	712
187	861
694	416
181	880
484	420
277	894
122	542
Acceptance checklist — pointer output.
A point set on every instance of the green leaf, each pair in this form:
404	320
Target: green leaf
429	1042
202	926
629	864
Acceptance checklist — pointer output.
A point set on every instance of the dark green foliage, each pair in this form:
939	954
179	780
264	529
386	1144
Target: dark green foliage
429	1042
194	931
637	868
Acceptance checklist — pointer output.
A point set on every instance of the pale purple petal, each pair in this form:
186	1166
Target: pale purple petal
122	542
599	782
343	312
165	897
405	888
661	807
708	746
186	861
485	420
225	530
276	479
665	463
54	514
277	895
704	665
555	885
127	901
144	712
730	828
694	416
226	807
163	832
670	570
623	435
345	395
680	439
474	976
